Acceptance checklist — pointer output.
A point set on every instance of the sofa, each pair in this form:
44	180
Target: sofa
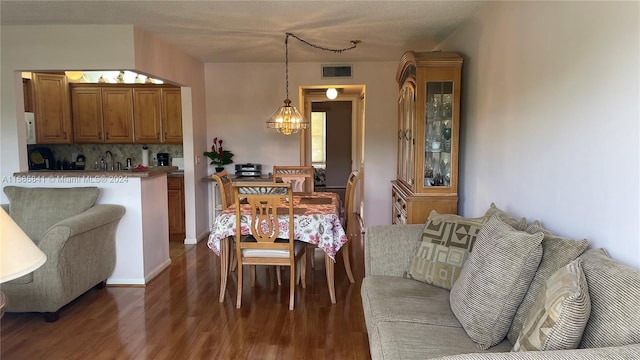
421	309
78	238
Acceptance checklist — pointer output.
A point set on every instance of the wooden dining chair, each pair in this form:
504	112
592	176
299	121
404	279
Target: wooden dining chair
350	219
263	246
300	177
224	181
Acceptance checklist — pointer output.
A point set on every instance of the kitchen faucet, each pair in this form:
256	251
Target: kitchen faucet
110	158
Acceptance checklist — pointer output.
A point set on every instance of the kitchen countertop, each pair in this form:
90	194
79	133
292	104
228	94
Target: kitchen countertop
149	172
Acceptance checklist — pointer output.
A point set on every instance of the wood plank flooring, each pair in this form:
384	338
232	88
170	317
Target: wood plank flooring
178	316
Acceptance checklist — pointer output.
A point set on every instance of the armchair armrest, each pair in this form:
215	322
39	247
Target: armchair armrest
387	248
614	352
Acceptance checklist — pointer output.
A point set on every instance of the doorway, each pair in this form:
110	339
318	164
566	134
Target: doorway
344	137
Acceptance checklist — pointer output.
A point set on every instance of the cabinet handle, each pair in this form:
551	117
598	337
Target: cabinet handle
64	134
107	134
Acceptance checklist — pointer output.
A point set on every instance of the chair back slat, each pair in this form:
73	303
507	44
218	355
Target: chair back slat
352	184
301	177
225	183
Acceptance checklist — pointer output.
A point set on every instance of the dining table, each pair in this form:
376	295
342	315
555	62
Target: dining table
316	222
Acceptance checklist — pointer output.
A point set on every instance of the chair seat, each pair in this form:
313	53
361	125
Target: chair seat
298	247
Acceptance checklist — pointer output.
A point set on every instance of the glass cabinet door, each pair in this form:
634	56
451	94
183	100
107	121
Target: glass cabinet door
406	145
438	132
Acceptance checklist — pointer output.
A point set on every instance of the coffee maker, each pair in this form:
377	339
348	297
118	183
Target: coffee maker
163	159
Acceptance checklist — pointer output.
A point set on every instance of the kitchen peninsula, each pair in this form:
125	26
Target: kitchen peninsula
142	238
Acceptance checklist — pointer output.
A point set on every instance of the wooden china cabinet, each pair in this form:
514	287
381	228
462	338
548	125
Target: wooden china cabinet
428	132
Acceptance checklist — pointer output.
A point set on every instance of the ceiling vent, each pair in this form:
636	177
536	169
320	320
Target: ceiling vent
337	71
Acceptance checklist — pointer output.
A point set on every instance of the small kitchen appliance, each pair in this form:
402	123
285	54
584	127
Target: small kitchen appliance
248	170
163	159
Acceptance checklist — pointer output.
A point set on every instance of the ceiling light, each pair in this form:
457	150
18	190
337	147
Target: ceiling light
287	119
332	93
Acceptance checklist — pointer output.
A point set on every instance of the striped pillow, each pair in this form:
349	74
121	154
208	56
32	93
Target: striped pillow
560	313
494	280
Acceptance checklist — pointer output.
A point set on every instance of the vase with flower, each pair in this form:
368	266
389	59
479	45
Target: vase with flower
218	156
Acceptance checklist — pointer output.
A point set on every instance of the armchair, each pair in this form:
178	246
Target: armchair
78	238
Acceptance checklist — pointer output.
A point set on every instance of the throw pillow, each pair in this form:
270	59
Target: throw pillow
560	313
445	245
556	253
494	280
35	210
614	289
518	224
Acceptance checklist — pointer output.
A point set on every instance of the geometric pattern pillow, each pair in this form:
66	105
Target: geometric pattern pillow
557	252
494	280
518	224
560	313
445	245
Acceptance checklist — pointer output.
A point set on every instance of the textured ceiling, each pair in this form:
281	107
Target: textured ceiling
254	31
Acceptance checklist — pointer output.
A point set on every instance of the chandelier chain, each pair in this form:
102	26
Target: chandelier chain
354	44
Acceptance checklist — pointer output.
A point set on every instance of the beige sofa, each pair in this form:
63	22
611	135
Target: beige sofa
409	319
78	238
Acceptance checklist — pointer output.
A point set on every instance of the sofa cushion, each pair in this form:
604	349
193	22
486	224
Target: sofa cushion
614	290
557	252
392	298
36	209
444	246
393	340
494	280
560	312
518	224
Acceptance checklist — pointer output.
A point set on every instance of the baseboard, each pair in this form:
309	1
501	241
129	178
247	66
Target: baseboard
125	282
200	237
157	270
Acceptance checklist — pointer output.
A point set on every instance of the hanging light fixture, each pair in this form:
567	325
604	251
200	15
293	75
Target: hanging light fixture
332	93
287	119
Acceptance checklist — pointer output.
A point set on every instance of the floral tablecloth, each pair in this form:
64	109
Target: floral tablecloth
319	225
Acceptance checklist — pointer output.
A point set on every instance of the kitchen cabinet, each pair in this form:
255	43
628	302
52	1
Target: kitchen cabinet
428	133
86	112
52	109
27	93
117	113
172	115
157	115
102	114
175	196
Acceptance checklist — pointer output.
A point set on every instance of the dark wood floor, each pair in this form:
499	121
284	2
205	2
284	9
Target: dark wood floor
178	316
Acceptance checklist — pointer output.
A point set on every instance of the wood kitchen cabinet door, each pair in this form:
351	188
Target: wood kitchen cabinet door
175	197
147	109
172	116
86	111
52	113
117	111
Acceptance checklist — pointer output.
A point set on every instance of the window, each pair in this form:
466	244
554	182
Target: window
318	138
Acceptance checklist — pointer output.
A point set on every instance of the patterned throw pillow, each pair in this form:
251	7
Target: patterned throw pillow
494	280
445	245
560	313
518	224
557	252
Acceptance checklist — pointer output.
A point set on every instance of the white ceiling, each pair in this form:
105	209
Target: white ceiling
254	31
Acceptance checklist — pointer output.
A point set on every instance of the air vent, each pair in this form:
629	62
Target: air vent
336	71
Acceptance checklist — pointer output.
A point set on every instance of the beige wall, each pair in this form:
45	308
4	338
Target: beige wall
102	47
242	96
550	118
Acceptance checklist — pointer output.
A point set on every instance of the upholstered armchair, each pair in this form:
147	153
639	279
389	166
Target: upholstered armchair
78	238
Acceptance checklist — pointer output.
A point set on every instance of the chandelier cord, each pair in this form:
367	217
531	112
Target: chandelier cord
354	44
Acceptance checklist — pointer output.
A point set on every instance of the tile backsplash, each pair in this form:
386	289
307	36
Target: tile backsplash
93	152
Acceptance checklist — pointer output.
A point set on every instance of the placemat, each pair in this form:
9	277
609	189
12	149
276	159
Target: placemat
315	200
296	211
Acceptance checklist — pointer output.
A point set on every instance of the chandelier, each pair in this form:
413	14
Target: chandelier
287	119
